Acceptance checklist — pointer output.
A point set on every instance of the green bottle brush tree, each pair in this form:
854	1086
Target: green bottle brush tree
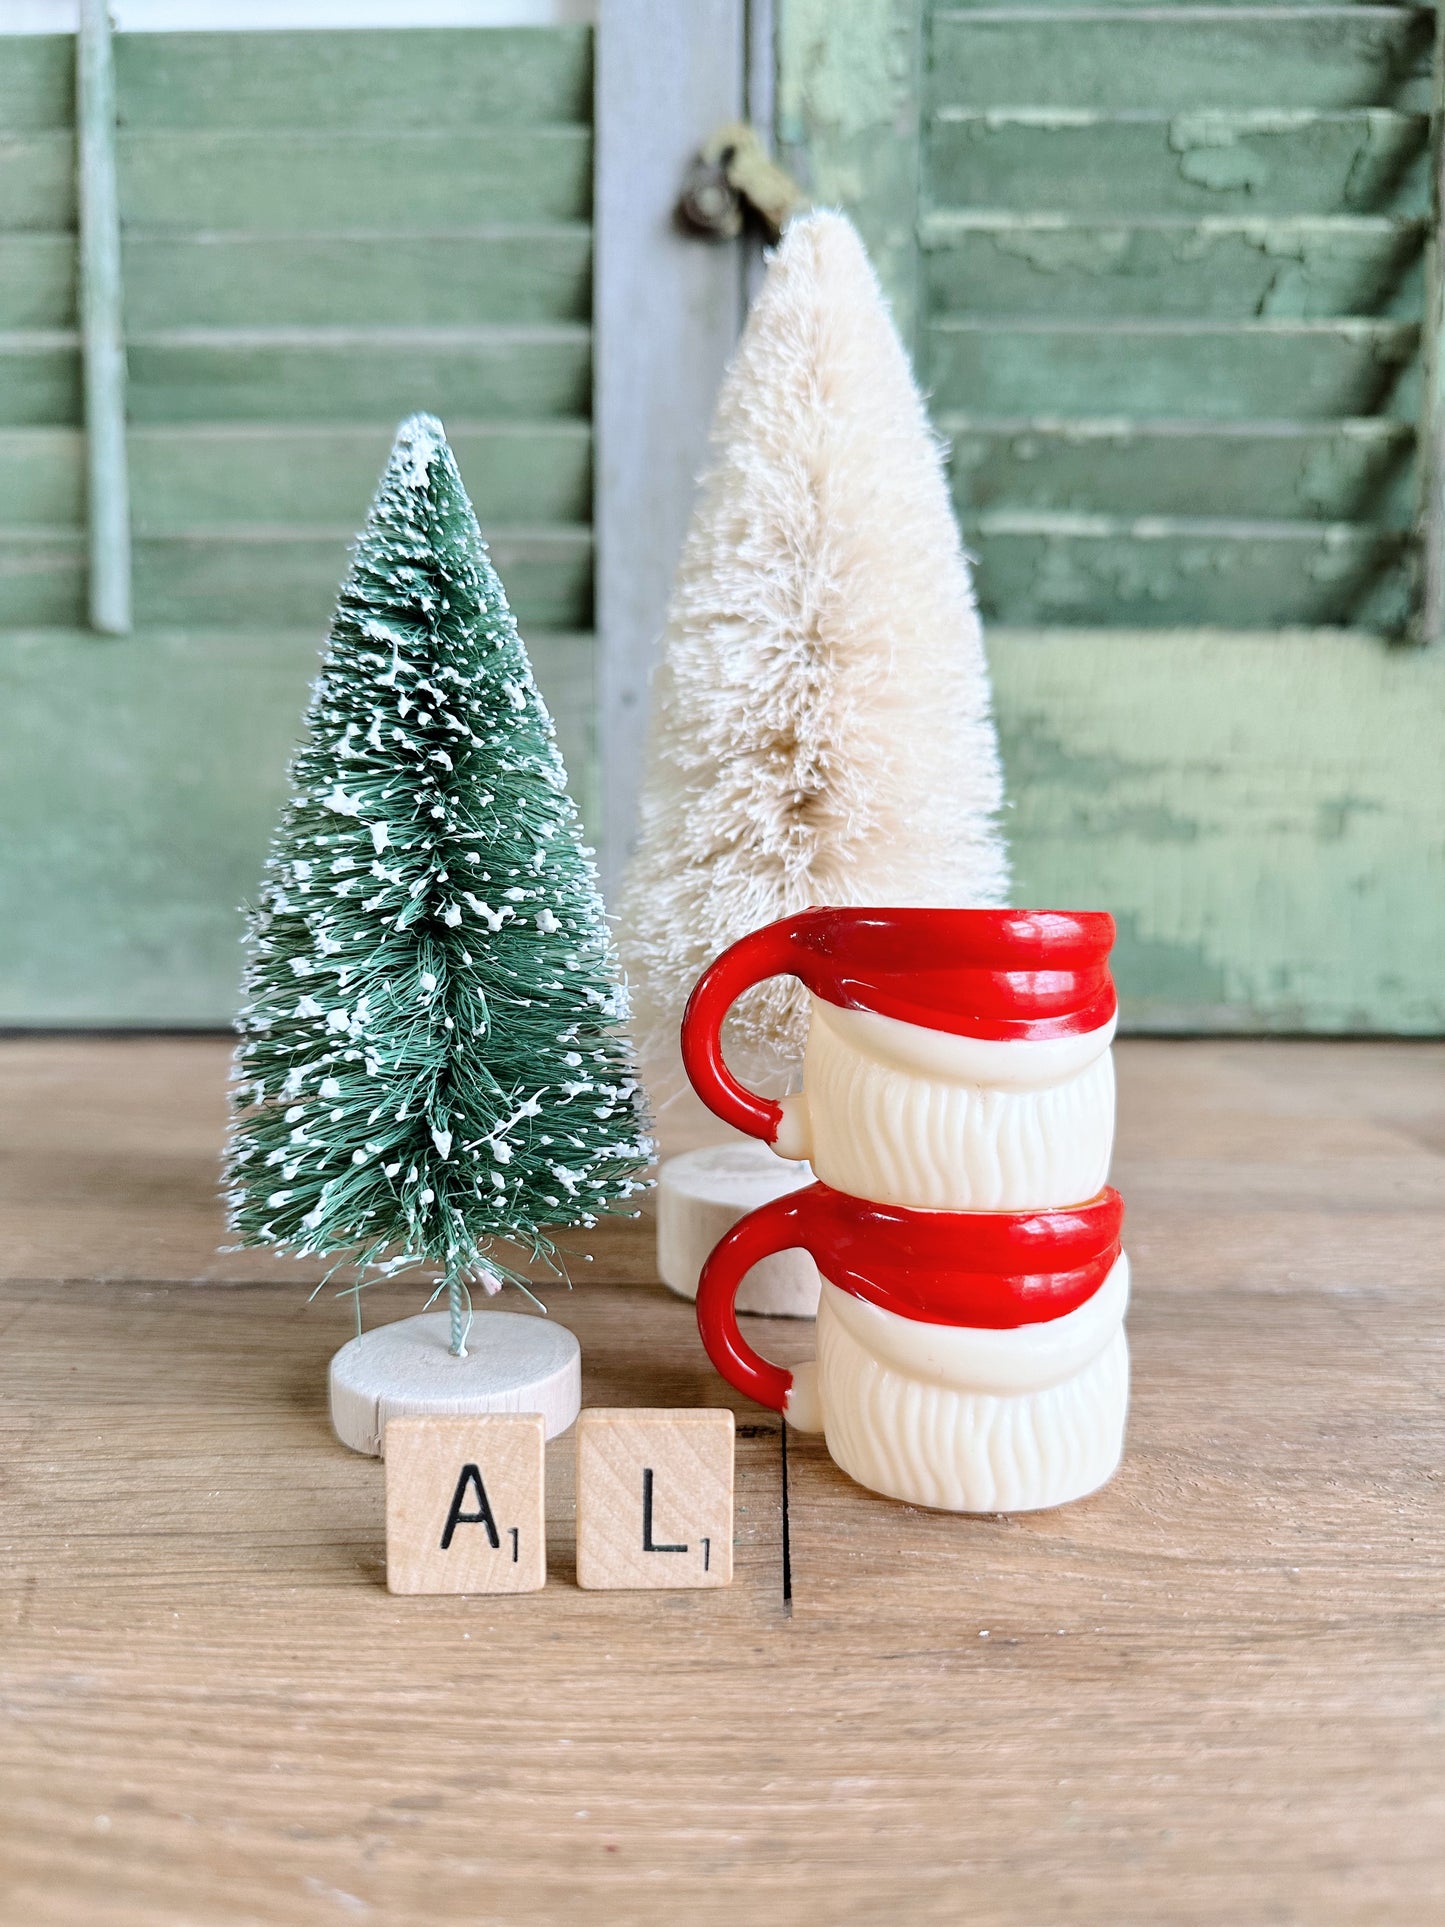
432	1062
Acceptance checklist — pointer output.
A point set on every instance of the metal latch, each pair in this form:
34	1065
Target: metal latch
733	174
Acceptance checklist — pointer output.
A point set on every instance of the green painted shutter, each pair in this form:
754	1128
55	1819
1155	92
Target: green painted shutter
321	232
1165	267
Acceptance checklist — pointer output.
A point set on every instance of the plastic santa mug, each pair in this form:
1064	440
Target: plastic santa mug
956	1060
975	1362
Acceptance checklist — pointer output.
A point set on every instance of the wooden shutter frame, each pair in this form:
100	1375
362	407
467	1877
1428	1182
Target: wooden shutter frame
667	309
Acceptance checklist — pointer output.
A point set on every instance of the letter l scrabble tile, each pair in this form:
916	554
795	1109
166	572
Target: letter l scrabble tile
654	1498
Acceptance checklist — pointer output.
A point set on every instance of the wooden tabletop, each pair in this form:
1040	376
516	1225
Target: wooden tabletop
1212	1693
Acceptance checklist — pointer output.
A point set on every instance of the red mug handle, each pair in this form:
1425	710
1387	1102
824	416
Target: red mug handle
780	1225
769	952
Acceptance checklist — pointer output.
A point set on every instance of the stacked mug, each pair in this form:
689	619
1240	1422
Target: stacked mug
958	1111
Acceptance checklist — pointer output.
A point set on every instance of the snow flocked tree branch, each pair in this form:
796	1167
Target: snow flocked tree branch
431	1057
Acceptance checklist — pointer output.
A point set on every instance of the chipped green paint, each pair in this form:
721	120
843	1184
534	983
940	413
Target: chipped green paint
384	78
1077	160
323	232
1181	60
1156	571
415	180
1347	471
1430	617
118	895
848	87
1220	268
523	272
1262	813
1174	369
1179	374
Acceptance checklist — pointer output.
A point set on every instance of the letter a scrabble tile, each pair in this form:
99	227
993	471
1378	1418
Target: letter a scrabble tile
654	1498
464	1504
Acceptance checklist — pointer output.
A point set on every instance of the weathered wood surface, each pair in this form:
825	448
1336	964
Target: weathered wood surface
203	475
39	275
668	308
522	272
381	78
1208	371
258	519
43	577
849	117
1262	813
288	180
1154	571
1200	218
1223	269
37	179
349	375
1264	161
37	82
1306	472
1208	1693
39	377
139	788
1180	59
323	230
101	315
1430	619
288	577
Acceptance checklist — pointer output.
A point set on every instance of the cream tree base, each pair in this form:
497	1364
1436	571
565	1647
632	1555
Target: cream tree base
702	1194
516	1362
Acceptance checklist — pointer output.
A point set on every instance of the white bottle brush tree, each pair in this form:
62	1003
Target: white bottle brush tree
432	1065
822	725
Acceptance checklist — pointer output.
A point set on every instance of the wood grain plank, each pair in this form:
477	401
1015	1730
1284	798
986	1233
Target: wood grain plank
101	311
277	375
512	274
1216	371
1073	159
1429	625
1260	812
1182	58
289	576
194	477
199	476
433	77
37	281
42	473
39	377
119	892
291	180
1161	573
37	82
665	76
849	116
1206	1694
37	181
1213	269
1352	471
42	577
1150	6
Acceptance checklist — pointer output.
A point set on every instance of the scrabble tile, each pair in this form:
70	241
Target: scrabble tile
464	1504
654	1498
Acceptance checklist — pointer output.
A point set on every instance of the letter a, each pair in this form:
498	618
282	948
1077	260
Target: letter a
483	1517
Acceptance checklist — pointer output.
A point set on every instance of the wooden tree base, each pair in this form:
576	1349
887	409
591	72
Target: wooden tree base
702	1194
516	1362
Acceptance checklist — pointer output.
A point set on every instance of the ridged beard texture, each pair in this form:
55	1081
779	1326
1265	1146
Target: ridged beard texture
822	727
